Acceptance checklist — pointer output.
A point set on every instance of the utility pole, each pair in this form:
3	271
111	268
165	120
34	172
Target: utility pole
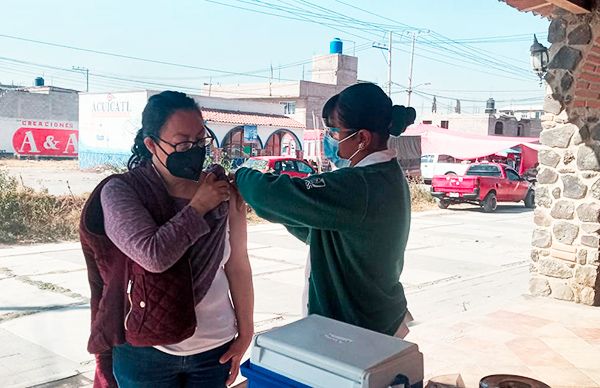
410	73
271	81
209	84
86	71
389	61
412	62
390	67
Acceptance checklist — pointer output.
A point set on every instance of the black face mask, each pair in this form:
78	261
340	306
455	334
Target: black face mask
187	164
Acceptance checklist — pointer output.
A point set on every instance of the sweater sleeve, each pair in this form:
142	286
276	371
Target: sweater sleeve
330	201
131	227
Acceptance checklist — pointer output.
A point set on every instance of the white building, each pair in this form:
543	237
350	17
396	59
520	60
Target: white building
108	123
517	121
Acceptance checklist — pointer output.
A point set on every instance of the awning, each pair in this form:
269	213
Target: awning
548	7
460	145
249	118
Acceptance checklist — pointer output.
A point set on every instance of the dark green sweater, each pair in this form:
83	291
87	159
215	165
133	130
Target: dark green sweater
356	221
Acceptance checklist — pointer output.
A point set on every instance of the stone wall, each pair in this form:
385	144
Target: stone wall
566	240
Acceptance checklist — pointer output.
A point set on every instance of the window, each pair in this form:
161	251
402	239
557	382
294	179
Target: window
484	170
289	107
446	159
427	159
305	168
288	165
445	124
499	128
427	122
512	175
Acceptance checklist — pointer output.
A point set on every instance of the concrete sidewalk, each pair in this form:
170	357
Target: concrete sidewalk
552	341
462	301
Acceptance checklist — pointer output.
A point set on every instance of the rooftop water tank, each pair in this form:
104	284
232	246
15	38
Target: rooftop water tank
39	81
490	106
336	46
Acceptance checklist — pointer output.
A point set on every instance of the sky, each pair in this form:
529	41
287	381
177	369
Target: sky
466	49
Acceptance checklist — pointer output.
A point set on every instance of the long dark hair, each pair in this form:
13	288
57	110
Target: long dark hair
156	113
366	106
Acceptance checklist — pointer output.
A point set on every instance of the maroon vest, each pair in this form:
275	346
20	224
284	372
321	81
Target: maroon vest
128	303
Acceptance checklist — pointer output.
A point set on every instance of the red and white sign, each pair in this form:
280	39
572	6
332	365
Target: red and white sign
32	141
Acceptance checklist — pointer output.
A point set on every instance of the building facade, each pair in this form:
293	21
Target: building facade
39	121
301	100
241	129
516	122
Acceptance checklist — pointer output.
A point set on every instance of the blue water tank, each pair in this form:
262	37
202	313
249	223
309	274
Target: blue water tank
336	46
39	81
490	106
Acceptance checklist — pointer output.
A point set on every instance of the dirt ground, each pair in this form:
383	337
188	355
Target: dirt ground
59	177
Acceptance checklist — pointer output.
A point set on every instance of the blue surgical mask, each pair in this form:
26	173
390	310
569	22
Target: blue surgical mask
331	149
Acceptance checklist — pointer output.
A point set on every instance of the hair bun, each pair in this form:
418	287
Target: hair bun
402	117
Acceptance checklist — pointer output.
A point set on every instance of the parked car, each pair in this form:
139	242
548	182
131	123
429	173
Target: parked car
436	164
484	184
280	165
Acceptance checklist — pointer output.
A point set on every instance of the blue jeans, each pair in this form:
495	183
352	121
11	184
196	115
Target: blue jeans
137	367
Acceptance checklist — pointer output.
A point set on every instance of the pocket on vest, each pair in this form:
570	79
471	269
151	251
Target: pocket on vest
137	304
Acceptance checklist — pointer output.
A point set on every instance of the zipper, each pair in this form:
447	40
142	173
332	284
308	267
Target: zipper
129	287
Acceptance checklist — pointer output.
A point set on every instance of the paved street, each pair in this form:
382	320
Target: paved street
458	261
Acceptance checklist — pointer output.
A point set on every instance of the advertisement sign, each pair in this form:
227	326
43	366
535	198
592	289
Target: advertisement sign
45	142
35	137
108	122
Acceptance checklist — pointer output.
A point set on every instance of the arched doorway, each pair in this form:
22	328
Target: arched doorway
283	142
238	148
499	128
215	144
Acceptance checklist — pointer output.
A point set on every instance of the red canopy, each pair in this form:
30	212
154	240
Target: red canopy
461	145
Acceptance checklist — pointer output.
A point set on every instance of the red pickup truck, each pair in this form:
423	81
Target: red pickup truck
484	184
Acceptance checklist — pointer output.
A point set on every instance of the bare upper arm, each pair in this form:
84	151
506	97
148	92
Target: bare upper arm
238	233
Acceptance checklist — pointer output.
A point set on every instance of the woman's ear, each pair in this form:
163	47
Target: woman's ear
149	143
365	139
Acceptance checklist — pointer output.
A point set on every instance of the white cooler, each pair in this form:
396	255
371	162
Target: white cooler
322	352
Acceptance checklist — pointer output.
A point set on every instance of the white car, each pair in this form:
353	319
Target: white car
437	164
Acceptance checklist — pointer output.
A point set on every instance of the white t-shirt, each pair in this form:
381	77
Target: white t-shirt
215	316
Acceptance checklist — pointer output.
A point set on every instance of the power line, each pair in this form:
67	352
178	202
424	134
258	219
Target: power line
480	61
120	81
130	57
306	16
489	91
448	40
422	93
